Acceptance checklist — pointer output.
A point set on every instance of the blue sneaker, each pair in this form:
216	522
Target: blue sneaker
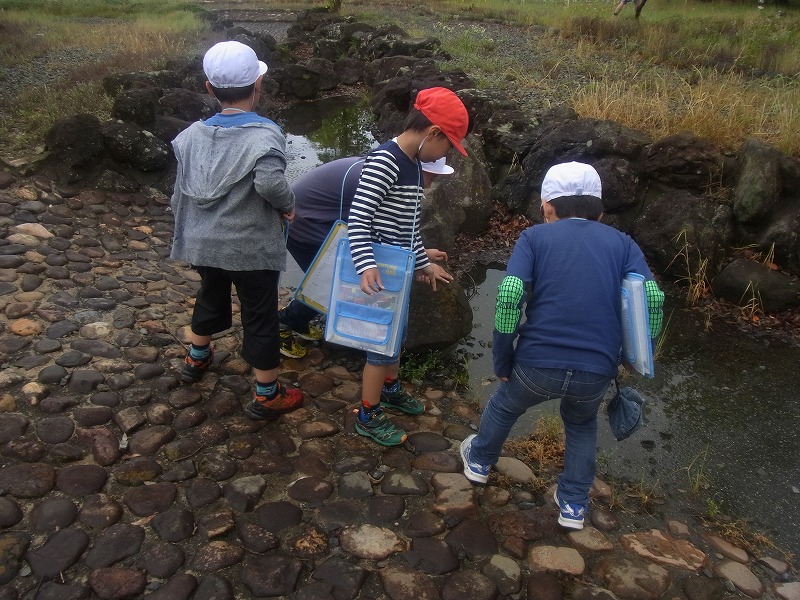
474	472
570	515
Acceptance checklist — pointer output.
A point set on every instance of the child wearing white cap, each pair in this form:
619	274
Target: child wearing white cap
568	347
230	201
323	195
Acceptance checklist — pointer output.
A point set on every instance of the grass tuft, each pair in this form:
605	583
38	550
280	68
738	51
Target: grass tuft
694	271
71	46
542	450
741	534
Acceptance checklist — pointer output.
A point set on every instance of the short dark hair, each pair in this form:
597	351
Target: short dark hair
233	94
582	207
416	121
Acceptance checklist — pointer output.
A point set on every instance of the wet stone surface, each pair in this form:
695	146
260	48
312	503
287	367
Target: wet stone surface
118	481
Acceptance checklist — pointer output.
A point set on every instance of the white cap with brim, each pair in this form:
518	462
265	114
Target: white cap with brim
232	65
437	167
571	179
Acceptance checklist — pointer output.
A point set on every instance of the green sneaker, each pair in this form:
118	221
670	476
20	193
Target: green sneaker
313	333
381	429
290	347
402	401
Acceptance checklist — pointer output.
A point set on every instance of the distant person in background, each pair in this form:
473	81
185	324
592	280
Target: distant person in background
638	4
322	196
566	275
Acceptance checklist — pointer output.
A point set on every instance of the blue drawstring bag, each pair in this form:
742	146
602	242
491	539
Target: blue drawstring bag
625	413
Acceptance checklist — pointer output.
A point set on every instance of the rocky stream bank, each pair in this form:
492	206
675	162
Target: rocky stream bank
117	481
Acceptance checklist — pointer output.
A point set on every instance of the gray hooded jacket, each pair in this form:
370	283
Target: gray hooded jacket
230	193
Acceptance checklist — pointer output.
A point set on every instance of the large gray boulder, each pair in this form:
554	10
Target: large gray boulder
680	227
782	235
300	81
457	203
187	105
118	82
684	160
583	140
744	281
132	145
139	105
76	141
759	185
437	320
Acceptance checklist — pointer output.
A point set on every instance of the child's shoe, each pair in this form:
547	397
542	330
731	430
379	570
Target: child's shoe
194	369
570	515
381	429
287	400
473	471
401	401
290	348
314	331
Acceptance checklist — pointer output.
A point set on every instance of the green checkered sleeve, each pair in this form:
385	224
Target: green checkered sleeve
655	302
507	310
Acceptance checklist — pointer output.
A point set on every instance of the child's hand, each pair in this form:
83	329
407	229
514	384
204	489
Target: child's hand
434	272
371	281
289	216
436	255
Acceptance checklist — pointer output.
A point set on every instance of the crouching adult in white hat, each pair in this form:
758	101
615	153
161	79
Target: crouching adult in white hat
323	195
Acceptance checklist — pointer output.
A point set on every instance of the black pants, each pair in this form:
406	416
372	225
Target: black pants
258	296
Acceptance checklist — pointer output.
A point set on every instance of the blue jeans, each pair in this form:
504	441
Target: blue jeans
580	394
381	360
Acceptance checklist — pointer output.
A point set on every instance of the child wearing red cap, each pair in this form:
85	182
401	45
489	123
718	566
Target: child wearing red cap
385	210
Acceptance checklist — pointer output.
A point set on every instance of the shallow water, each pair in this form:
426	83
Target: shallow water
322	131
724	406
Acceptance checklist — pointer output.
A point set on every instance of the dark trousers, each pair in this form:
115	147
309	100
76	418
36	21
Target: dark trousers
297	315
258	296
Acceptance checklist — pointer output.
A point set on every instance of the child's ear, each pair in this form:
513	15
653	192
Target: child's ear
209	89
435	130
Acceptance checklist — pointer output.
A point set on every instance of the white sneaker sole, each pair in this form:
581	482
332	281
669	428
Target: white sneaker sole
568	523
469	473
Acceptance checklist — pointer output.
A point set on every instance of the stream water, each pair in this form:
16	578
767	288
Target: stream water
723	411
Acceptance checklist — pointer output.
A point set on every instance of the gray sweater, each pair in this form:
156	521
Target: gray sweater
230	193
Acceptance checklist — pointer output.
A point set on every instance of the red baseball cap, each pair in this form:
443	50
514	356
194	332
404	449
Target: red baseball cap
445	110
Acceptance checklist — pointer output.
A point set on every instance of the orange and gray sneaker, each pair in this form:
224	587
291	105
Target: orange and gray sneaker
286	400
194	369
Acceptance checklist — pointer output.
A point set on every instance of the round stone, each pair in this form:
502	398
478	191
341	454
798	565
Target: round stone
25	327
10	512
99	512
52	514
55	430
45	346
81	480
162	560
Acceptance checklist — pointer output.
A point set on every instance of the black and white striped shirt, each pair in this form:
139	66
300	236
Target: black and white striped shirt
386	206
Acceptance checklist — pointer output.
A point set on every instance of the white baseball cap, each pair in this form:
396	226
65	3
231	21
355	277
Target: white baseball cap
571	179
232	65
437	167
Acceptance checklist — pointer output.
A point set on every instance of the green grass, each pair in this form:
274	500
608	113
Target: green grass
77	43
723	71
683	66
111	9
434	367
